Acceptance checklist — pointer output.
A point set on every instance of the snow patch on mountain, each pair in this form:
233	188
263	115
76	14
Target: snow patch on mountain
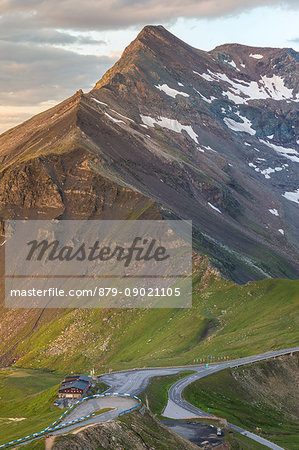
256	56
233	64
240	91
287	152
169	91
265	172
113	119
292	196
121	115
170	124
113	110
276	88
268	87
207	147
274	212
214	207
244	126
234	98
98	101
208	100
205	76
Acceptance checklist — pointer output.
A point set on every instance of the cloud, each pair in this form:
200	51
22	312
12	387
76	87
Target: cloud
9	118
20	28
294	40
37	65
34	78
117	14
32	74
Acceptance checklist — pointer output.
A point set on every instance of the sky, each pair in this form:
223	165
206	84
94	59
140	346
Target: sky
51	48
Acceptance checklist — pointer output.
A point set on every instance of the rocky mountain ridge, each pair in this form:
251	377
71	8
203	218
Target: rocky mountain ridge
207	136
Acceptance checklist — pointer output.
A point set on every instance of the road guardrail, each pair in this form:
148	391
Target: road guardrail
54	426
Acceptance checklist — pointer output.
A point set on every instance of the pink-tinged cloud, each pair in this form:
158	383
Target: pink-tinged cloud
116	14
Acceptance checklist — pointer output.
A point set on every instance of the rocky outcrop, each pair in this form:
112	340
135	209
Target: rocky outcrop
135	431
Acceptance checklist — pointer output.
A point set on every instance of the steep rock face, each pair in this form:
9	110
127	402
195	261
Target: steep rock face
66	187
225	123
207	136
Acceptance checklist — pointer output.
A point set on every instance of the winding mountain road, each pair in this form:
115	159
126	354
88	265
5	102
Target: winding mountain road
117	405
135	381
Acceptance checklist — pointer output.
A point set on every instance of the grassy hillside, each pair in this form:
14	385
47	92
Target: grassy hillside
26	404
261	397
155	395
225	319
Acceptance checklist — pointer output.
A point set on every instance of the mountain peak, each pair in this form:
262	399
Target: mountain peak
154	33
152	43
209	136
154	36
153	30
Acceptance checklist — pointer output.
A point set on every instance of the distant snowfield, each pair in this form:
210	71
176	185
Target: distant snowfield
256	56
98	101
292	196
287	152
214	207
207	147
208	100
113	110
205	76
274	212
244	126
240	91
232	63
170	91
170	124
121	115
113	119
266	172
